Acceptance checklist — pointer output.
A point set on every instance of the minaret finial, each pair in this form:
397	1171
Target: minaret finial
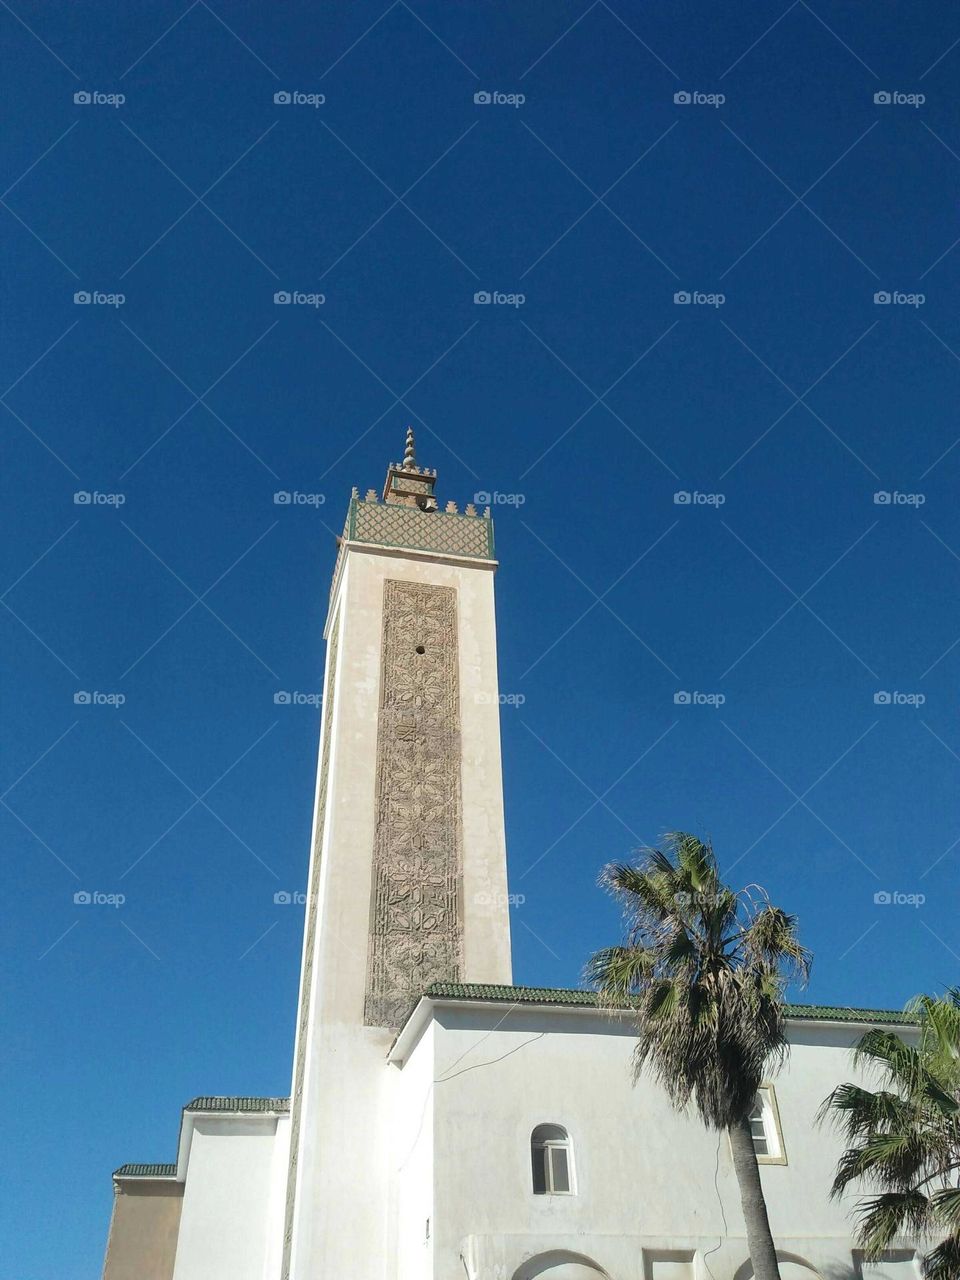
408	484
409	453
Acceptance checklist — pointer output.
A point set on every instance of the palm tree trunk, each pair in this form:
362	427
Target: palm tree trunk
763	1252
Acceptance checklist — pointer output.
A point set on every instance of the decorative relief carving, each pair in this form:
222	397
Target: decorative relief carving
299	1071
416	917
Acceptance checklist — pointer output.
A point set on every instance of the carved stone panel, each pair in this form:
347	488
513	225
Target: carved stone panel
416	910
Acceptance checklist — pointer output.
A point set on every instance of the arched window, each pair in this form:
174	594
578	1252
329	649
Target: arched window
552	1157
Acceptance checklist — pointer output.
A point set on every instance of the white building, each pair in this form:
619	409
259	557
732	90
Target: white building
444	1124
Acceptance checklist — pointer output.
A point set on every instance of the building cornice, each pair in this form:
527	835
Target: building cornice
569	1000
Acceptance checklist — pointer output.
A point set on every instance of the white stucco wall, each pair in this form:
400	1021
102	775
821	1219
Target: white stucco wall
225	1223
651	1186
276	1204
343	1153
410	1157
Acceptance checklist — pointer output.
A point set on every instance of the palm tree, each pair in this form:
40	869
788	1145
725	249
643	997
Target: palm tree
904	1138
704	969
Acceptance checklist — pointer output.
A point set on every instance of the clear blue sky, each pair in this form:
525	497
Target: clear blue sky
596	400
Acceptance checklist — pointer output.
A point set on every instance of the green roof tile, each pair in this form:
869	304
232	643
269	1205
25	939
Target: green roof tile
228	1105
238	1104
571	996
145	1171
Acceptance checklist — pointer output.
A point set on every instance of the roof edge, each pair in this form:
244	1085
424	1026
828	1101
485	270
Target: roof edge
146	1171
237	1104
575	997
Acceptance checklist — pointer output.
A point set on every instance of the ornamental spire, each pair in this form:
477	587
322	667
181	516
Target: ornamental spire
408	484
409	453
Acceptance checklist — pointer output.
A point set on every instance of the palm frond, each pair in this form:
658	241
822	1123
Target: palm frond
706	967
617	972
906	1136
943	1262
859	1112
887	1216
772	938
946	1206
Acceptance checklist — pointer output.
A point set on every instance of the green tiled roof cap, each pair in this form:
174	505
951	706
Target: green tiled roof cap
231	1104
238	1104
571	996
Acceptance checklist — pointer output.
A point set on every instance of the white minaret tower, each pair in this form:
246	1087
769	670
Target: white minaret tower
407	881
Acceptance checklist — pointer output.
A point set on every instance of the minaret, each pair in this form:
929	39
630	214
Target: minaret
407	882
